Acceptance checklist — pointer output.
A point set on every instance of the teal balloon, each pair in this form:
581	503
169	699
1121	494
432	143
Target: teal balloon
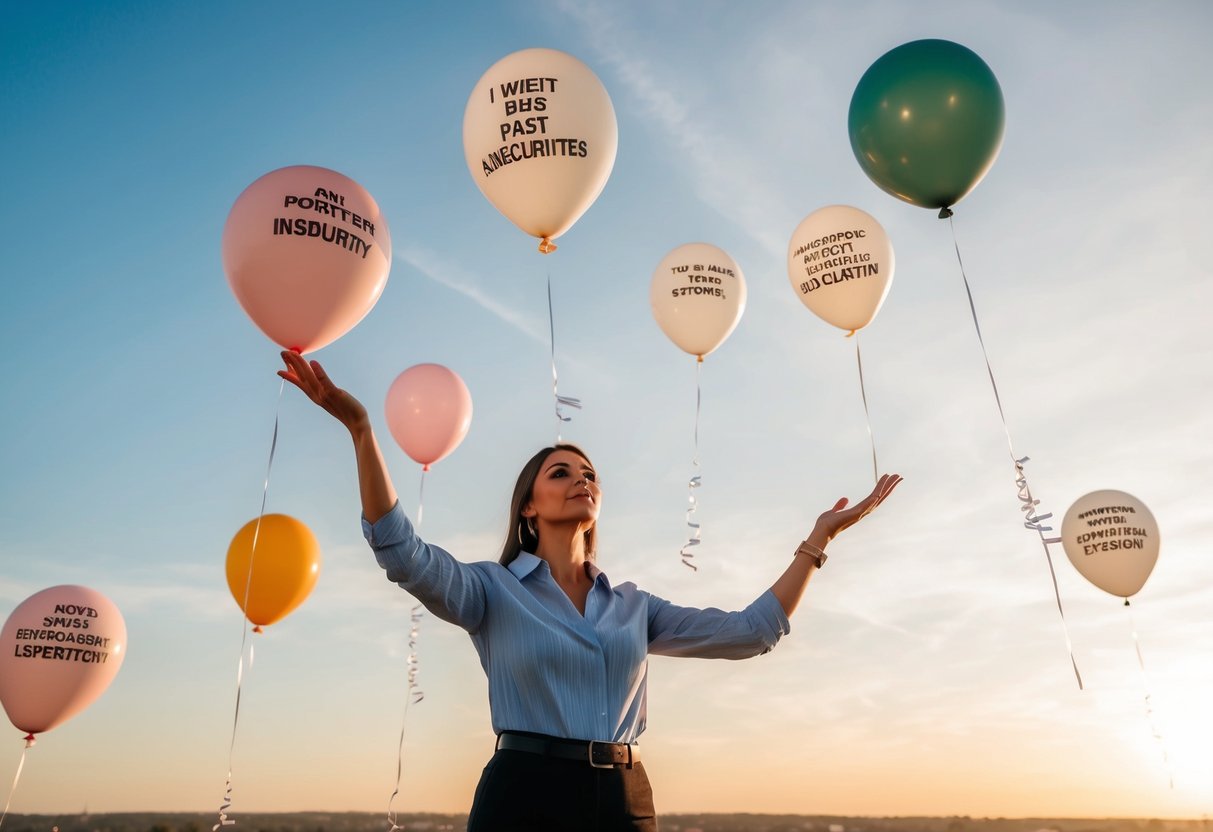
926	122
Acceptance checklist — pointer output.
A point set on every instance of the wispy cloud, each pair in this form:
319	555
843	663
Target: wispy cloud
450	275
735	190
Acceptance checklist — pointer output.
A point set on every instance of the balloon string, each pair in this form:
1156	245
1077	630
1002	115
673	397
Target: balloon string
1145	682
567	401
29	742
226	804
413	695
421	496
863	393
1028	504
695	481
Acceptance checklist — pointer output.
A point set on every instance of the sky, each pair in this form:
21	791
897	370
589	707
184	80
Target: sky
926	672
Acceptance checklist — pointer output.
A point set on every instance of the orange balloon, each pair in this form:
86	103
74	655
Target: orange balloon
286	564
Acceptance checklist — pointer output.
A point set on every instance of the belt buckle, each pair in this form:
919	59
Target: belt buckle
590	755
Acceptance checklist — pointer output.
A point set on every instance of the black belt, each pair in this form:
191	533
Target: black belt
597	754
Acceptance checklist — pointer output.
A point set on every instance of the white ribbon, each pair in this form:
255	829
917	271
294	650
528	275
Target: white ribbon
226	803
566	401
29	743
694	482
1145	683
1028	503
867	416
413	695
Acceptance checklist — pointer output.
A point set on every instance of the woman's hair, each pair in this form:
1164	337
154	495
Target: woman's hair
519	536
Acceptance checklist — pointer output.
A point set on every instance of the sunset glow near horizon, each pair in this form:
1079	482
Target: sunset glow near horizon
926	672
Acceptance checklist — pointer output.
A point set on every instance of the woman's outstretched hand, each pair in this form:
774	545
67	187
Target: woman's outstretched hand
790	585
838	518
310	377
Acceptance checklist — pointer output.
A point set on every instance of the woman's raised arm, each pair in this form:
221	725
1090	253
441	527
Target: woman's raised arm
374	483
790	585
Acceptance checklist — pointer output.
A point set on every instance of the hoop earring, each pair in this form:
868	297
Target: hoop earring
530	527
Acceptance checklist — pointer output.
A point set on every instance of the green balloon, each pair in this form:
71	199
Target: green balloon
926	122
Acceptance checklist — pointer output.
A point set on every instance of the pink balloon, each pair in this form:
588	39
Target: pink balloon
59	650
307	254
429	410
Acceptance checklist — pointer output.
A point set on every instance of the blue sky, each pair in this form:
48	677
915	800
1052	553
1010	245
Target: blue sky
140	400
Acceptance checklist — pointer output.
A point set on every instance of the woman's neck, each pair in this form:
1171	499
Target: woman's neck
562	546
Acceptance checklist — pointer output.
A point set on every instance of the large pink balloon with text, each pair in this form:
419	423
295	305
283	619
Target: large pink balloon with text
429	411
59	651
307	254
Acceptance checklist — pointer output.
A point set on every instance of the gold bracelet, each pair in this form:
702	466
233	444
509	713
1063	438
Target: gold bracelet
816	554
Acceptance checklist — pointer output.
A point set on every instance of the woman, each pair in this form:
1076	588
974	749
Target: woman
564	649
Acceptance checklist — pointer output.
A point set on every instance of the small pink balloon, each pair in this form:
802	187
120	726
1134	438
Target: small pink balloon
307	254
59	651
429	410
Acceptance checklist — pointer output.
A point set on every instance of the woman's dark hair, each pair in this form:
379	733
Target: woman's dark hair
519	536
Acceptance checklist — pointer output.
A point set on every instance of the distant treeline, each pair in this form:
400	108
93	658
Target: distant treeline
428	822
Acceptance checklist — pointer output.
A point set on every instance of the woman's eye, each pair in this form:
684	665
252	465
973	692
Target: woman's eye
591	476
559	472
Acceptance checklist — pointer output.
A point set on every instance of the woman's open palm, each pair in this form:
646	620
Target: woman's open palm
310	377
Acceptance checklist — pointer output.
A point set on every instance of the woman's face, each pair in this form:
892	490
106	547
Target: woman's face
565	490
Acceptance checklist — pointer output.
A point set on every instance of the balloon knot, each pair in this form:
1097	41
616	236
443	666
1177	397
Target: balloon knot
852	332
699	358
296	350
546	246
30	740
945	212
425	467
257	628
1126	602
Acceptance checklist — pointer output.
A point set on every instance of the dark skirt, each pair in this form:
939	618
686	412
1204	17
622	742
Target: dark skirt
524	792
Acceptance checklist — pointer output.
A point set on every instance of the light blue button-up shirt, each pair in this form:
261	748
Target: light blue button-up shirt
550	669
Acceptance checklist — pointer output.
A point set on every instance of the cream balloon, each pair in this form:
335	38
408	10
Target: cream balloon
698	294
59	651
1112	540
840	264
539	135
307	255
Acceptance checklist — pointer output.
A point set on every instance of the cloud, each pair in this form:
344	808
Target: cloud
450	275
733	189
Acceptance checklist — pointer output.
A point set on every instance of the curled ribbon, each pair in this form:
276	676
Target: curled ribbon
29	743
566	401
1034	521
1145	682
1028	504
224	820
226	803
694	482
414	695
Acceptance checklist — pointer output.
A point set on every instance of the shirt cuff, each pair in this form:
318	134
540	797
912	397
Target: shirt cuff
770	613
393	527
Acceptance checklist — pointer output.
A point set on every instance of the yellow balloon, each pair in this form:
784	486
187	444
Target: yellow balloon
286	564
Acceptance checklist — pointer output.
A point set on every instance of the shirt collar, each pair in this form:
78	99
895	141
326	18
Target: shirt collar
526	563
